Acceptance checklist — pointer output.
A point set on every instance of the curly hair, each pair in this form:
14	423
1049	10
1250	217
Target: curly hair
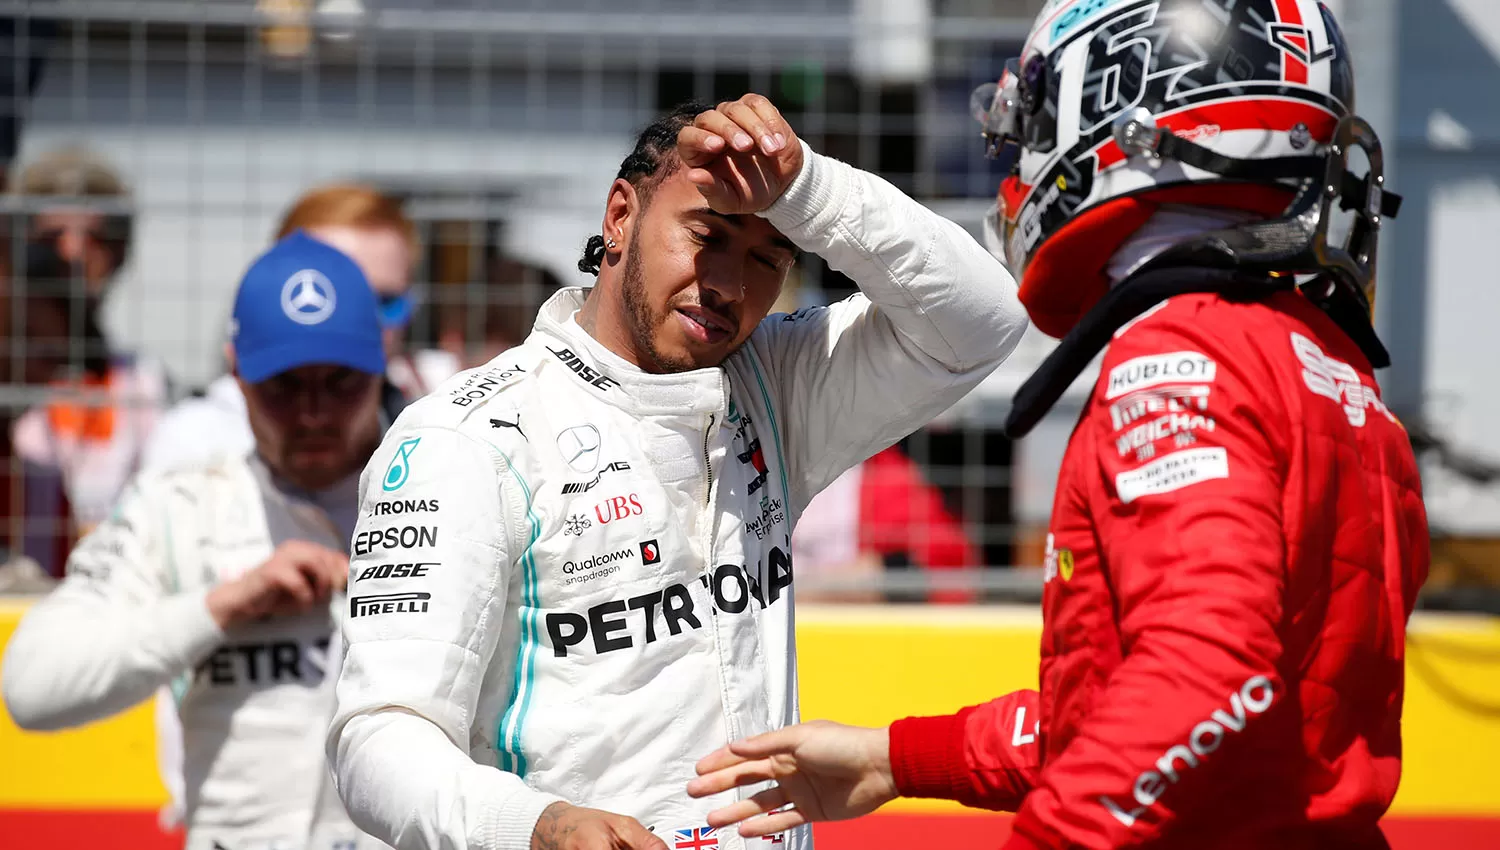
653	159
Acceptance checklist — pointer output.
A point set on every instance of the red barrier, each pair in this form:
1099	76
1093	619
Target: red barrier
137	830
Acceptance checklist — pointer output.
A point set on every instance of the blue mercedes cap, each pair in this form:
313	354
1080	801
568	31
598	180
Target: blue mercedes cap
303	303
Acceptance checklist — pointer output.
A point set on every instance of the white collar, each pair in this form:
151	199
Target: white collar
702	391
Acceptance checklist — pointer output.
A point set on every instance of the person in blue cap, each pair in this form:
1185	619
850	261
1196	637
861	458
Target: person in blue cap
306	348
374	231
226	580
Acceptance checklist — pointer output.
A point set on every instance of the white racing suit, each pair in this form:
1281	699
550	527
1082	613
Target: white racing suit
254	702
580	574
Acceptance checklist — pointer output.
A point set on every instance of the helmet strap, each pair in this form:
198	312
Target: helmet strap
1132	297
1137	134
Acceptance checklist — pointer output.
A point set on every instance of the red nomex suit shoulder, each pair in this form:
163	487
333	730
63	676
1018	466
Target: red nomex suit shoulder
1236	545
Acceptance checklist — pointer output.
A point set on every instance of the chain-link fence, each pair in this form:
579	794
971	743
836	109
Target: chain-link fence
498	126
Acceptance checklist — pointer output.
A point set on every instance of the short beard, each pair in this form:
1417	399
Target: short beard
643	322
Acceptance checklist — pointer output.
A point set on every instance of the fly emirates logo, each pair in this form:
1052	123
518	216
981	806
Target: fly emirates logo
1251	700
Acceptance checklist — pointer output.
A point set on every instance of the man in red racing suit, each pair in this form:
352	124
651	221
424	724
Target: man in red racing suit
1237	542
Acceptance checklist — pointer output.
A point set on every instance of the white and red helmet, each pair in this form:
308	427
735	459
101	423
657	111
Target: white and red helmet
1116	107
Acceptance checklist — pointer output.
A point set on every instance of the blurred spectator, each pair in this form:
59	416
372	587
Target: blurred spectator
513	291
25	42
228	579
879	515
36	324
75	243
376	234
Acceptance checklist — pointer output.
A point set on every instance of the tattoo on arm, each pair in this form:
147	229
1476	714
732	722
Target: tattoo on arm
553	827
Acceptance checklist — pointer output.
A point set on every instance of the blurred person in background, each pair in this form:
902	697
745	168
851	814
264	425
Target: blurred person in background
33	320
607	510
371	229
473	335
79	229
37	324
1238	536
880	515
227	579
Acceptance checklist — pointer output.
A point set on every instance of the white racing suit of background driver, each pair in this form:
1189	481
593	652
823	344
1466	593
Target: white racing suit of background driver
580	573
254	702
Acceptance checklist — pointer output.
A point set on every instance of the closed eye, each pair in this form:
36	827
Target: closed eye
707	240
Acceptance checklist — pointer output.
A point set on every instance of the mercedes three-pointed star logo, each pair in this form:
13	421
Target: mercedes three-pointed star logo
579	446
307	297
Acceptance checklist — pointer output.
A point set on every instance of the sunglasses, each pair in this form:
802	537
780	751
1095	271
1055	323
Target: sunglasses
396	310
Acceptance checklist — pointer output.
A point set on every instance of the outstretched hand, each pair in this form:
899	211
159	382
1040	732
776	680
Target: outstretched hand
741	155
823	771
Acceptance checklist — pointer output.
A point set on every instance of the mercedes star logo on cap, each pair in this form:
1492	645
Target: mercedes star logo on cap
308	298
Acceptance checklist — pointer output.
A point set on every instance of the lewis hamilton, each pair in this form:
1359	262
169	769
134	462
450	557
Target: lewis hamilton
572	572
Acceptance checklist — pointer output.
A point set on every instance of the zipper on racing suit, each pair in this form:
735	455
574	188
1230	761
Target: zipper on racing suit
708	466
731	726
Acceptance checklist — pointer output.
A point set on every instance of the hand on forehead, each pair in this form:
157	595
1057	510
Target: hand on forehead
741	155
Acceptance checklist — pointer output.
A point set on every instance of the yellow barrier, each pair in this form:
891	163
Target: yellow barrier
870	665
873	665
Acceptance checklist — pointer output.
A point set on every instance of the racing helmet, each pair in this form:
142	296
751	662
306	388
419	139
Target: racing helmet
1117	107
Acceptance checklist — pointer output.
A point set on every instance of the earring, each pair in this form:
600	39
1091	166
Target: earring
610	244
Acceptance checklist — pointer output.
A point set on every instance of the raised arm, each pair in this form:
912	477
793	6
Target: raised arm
934	316
936	313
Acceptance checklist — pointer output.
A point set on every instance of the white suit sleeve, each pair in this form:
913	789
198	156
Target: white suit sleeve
427	589
113	632
935	315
